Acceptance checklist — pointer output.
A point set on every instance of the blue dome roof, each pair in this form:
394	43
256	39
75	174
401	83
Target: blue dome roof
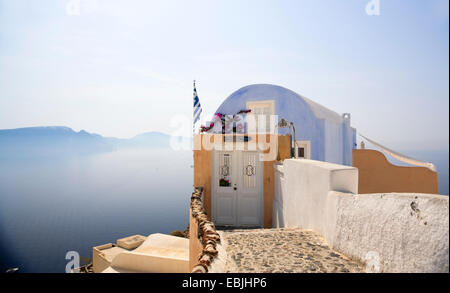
288	104
330	135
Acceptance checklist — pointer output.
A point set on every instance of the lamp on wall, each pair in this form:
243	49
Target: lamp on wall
285	124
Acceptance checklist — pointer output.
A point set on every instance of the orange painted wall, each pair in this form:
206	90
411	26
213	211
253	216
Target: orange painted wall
203	173
202	162
195	246
378	175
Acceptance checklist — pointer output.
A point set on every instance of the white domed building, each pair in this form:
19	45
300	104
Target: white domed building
320	134
239	182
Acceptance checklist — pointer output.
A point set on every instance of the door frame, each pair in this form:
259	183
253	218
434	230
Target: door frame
260	185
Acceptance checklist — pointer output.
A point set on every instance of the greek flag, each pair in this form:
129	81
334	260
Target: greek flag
197	108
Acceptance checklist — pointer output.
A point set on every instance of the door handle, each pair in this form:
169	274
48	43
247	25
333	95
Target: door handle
235	188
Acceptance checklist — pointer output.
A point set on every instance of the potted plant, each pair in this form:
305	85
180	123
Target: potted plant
224	182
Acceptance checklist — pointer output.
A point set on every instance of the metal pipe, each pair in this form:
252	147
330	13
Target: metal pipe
293	142
284	124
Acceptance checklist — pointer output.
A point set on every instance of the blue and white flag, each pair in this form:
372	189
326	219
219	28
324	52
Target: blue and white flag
197	108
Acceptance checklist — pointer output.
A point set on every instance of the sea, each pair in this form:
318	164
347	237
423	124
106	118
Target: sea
49	207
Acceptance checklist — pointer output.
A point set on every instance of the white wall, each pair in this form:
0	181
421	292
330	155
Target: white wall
394	232
334	142
407	232
306	186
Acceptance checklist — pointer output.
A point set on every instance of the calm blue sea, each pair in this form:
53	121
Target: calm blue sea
51	206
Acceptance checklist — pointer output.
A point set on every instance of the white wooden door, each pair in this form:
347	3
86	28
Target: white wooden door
249	198
237	188
224	188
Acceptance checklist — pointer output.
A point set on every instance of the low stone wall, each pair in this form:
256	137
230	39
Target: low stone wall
400	232
204	240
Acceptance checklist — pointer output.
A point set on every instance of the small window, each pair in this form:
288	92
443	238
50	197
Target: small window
265	108
301	153
303	149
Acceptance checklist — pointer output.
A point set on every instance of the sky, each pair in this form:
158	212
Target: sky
120	68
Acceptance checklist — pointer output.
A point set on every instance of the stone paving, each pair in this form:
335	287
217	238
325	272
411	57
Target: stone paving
282	251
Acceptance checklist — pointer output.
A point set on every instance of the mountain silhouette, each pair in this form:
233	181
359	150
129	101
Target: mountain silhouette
61	140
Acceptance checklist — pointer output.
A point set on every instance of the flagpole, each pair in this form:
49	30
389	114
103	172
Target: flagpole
193	140
193	119
197	111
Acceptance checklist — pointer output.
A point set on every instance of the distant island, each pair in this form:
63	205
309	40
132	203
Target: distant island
52	141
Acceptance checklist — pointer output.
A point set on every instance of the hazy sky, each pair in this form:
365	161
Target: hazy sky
119	68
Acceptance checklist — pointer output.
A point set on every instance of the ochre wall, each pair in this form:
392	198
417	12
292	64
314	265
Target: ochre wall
268	193
378	175
195	246
202	178
203	171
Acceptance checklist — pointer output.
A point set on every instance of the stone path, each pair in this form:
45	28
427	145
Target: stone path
282	251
